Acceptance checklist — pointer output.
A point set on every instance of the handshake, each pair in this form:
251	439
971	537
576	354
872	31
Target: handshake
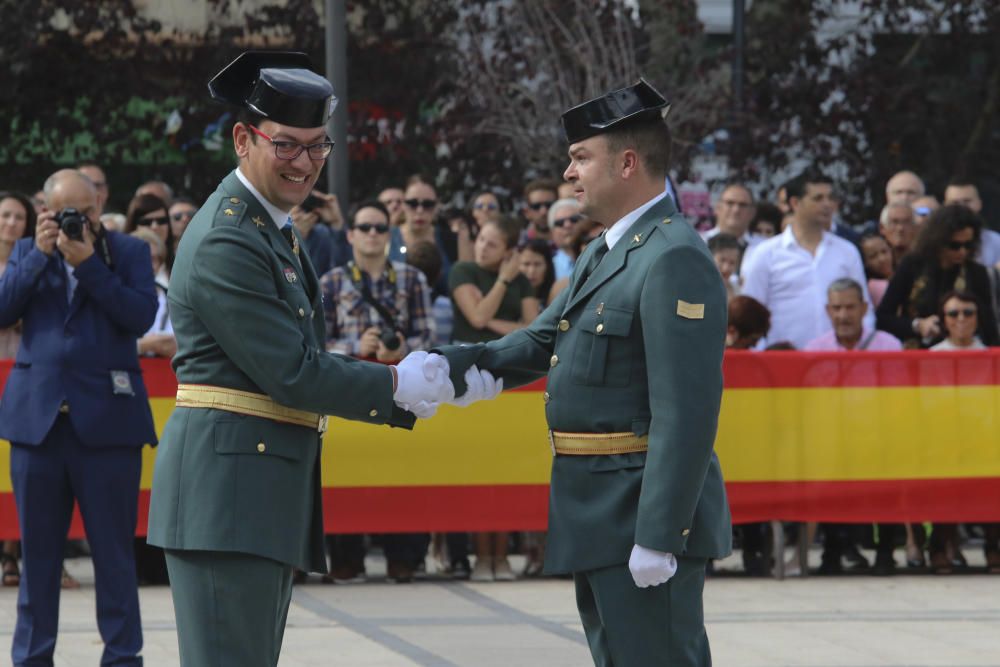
423	384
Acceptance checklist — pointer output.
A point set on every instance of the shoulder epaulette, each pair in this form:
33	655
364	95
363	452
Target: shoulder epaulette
231	211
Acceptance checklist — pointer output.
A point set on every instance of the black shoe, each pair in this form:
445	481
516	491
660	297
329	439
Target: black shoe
755	564
460	569
885	565
855	560
830	568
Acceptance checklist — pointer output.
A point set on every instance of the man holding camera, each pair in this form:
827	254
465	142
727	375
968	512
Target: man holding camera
377	310
76	412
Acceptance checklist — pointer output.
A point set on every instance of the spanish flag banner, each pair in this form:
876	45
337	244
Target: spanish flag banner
846	437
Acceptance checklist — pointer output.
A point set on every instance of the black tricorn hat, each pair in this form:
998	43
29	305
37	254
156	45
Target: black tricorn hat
279	85
602	113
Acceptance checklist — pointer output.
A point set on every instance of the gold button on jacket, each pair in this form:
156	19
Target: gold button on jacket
554	360
261	447
563	325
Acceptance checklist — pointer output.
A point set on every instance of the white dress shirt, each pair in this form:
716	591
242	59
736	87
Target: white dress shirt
277	215
989	251
617	231
792	283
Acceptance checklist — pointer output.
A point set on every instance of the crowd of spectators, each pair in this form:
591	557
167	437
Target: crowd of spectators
402	271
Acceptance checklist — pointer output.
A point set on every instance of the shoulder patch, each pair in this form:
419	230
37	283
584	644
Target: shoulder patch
231	212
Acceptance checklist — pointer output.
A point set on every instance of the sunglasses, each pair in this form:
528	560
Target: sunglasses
181	215
365	228
964	312
146	222
426	204
539	205
958	245
569	220
489	207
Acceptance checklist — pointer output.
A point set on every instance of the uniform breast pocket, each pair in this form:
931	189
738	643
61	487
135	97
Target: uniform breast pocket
603	351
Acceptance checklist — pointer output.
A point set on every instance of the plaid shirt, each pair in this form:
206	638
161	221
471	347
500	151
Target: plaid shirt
348	315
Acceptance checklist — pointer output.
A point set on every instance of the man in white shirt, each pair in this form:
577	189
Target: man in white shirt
791	272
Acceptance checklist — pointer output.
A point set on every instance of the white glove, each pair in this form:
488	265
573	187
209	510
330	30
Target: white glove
650	567
482	387
422	383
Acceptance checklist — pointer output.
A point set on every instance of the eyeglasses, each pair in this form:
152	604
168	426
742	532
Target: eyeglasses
964	312
489	207
569	220
365	228
426	204
539	205
289	150
146	222
181	215
958	245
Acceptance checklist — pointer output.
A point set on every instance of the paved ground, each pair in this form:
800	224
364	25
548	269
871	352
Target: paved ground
852	621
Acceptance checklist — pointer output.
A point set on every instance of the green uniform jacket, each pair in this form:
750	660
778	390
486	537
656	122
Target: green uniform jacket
637	348
248	316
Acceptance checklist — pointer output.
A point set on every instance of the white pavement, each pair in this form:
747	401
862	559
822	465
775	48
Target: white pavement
851	621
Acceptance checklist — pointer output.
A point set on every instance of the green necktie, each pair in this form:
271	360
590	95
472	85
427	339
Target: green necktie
600	251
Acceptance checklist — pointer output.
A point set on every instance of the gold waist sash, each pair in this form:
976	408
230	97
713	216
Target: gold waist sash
245	403
595	444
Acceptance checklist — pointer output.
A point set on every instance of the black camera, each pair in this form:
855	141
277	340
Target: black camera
72	222
389	339
312	203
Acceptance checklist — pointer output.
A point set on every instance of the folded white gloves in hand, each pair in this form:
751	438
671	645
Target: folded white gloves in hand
482	387
650	567
422	383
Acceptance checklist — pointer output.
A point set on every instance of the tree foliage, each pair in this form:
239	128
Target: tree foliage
900	84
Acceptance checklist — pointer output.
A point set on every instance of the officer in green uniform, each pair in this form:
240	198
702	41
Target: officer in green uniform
236	492
633	352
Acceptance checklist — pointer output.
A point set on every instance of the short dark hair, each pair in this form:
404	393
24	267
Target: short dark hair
541	184
248	117
961	181
938	229
368	203
749	316
767	212
649	137
29	210
963	296
797	186
140	206
721	242
425	257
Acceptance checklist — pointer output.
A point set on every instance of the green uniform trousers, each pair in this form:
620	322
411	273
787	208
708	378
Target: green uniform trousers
230	607
660	626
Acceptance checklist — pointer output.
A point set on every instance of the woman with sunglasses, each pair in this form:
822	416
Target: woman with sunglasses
959	315
942	259
150	211
420	209
486	208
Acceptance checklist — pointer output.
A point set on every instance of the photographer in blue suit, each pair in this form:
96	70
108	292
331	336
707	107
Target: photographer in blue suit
76	412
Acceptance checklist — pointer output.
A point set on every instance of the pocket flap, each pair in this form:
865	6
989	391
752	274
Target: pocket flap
609	322
257	437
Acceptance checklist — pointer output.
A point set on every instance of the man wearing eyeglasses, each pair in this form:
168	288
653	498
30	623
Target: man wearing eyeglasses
539	195
236	502
563	218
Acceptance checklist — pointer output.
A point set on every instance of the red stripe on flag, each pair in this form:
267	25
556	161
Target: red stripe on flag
916	368
524	506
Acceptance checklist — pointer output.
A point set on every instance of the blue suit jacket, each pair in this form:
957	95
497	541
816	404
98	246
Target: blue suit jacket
70	350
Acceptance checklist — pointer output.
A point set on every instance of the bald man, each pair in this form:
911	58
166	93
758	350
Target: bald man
76	413
904	187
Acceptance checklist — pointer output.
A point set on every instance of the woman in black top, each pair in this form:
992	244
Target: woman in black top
942	260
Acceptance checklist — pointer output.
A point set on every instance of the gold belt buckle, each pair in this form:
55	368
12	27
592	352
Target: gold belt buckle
322	425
